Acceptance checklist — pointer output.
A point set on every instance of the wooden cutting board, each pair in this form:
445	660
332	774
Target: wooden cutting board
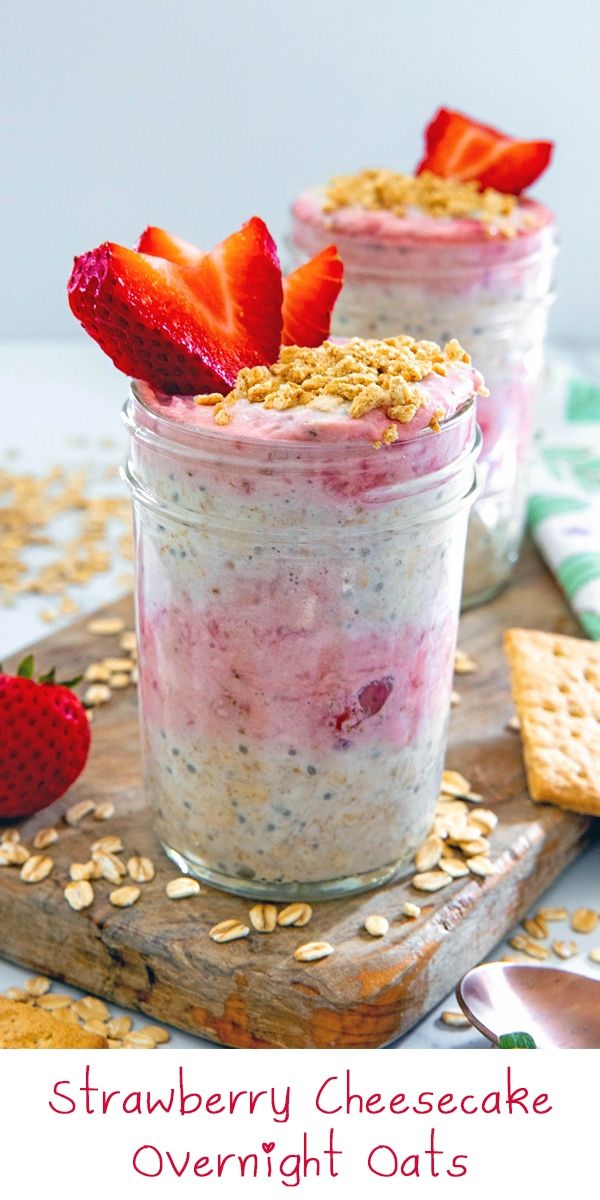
157	956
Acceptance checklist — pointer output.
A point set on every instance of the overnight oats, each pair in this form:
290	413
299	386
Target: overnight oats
454	250
299	551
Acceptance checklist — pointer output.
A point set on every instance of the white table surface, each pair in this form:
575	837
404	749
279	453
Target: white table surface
60	403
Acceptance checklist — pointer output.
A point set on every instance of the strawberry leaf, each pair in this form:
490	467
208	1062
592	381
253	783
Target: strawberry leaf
26	668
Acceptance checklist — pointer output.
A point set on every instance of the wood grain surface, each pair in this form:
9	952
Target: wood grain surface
157	956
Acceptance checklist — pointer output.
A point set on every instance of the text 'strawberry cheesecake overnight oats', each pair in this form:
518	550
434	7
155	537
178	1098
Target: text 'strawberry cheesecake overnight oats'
455	250
300	538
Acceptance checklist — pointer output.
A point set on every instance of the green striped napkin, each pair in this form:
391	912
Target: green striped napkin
564	504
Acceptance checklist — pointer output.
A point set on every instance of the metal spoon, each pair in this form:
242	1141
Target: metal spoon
560	1009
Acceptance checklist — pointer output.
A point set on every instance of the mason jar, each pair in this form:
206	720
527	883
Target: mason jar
437	278
297	610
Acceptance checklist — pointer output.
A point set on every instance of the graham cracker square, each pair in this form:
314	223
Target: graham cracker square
556	689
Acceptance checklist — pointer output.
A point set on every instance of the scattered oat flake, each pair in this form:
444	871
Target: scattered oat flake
117	1027
86	870
13	854
96	673
136	1040
263	917
463	663
53	1001
564	949
161	1036
514	724
536	927
111	867
79	894
455	784
109	844
30	505
18	994
95	1026
37	868
584	920
455	1019
228	931
411	910
530	947
484	818
104	811
37	985
297	914
77	812
313	951
455	698
431	881
429	853
91	1008
45	837
105	626
376	925
9	837
552	914
119	681
124	897
140	869
455	867
473	848
480	865
118	665
181	888
97	693
594	955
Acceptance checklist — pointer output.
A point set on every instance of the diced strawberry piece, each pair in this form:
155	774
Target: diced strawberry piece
368	701
184	329
309	294
458	148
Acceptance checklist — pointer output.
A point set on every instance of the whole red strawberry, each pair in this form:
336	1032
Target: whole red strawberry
44	740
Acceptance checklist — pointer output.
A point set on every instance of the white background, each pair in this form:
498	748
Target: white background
194	115
91	1155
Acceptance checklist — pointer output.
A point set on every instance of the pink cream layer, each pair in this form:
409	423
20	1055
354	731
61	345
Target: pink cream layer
444	395
287	677
381	226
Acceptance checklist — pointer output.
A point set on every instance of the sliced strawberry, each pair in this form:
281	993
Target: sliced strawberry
309	295
458	148
166	245
187	328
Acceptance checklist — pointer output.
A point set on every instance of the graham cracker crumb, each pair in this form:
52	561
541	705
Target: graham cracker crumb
362	375
390	191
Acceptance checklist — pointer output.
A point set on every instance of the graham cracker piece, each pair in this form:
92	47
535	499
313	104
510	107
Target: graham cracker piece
556	689
25	1028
